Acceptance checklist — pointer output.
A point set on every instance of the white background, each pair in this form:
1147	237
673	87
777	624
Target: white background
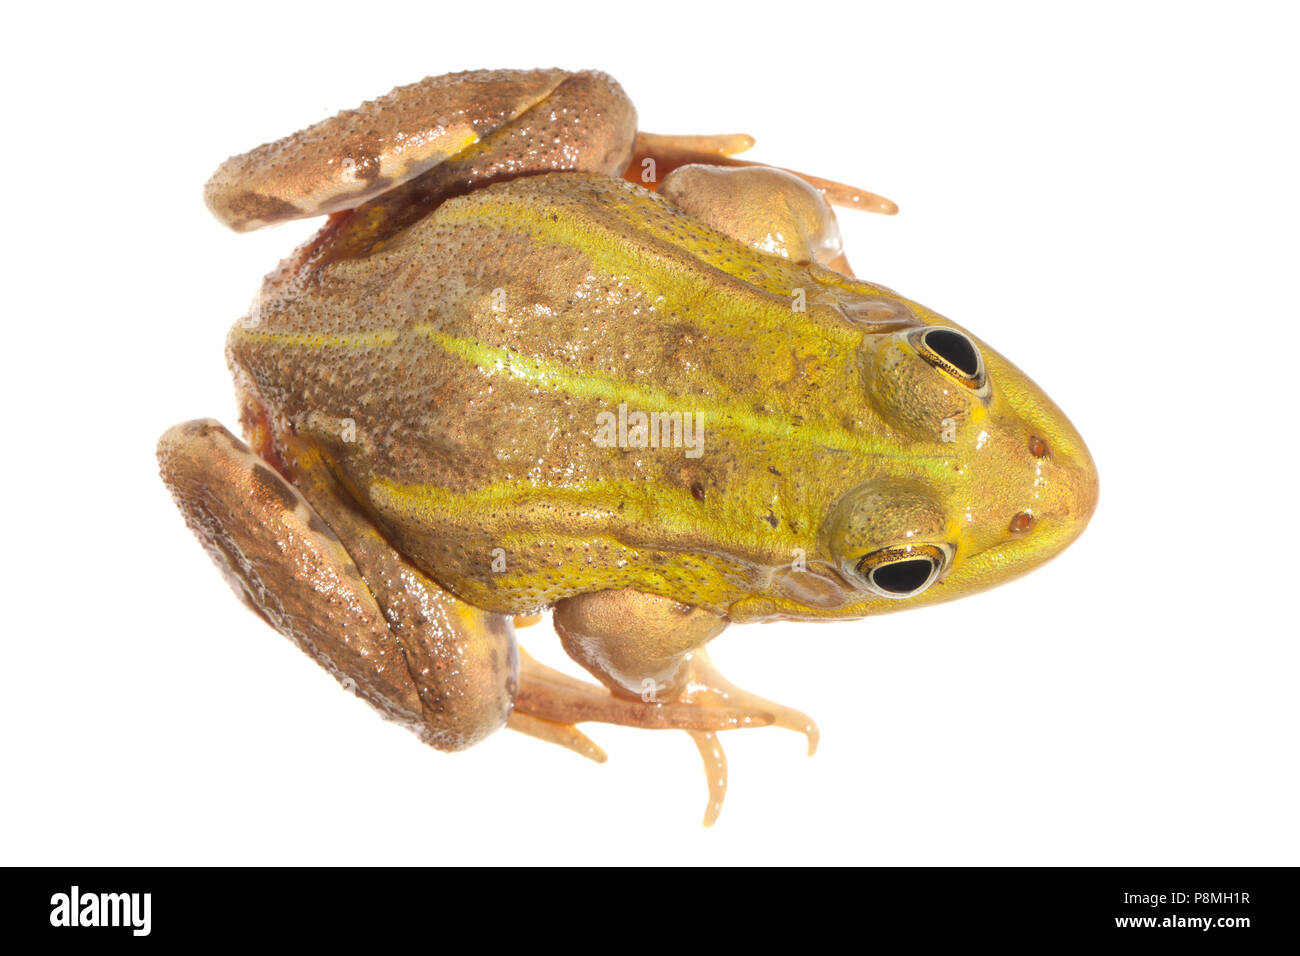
1107	196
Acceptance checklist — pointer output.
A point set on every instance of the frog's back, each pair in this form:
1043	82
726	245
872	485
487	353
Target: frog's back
466	375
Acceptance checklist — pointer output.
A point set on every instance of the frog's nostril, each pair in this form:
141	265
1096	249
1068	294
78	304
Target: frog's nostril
1021	523
1037	447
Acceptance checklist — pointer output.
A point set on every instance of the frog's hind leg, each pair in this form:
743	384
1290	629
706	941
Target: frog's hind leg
520	127
322	576
474	127
566	735
655	156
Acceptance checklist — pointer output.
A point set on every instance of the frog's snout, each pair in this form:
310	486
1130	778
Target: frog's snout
1065	489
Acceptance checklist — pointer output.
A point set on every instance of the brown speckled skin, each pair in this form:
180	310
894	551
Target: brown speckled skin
425	661
520	121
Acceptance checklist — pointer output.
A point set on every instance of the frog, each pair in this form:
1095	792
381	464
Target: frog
537	360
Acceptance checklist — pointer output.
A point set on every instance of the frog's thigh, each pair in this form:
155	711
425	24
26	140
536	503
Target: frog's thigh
586	123
580	120
442	668
768	209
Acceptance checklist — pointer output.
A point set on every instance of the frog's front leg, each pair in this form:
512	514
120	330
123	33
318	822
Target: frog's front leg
768	209
654	157
326	579
648	651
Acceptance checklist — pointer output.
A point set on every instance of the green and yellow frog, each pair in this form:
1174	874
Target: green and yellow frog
536	359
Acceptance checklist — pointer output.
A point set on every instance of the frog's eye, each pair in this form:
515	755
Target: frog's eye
904	571
952	352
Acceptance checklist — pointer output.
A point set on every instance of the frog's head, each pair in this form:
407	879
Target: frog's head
991	479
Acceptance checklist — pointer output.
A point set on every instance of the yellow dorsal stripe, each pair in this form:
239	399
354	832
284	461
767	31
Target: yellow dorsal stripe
587	384
717	304
676	516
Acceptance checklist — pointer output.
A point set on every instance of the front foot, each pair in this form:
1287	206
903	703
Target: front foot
707	688
648	652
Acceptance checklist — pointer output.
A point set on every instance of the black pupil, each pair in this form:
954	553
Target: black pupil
955	349
903	577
